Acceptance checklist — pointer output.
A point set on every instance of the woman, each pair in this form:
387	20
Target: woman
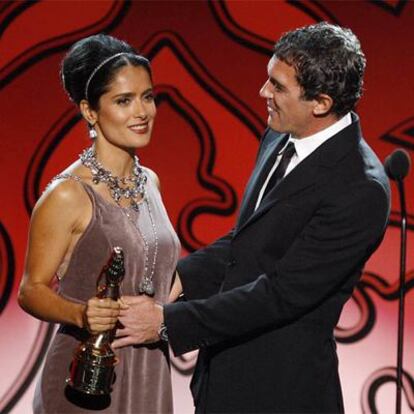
104	199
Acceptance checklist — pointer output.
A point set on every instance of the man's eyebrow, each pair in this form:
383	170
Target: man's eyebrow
274	82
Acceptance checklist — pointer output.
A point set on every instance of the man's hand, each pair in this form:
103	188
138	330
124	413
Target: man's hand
101	314
141	319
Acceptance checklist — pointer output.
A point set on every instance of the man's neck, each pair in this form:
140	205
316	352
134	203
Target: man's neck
318	124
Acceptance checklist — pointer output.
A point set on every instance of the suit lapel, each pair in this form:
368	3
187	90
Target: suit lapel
310	171
301	177
258	176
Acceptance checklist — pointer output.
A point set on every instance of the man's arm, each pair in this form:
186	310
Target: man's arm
329	253
333	247
202	272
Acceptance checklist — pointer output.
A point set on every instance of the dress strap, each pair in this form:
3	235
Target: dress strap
63	176
66	175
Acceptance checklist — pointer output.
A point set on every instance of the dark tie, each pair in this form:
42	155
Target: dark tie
279	173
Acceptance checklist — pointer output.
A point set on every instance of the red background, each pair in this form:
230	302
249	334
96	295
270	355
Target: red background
209	61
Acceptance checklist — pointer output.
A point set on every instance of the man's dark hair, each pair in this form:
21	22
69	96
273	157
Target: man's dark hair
328	60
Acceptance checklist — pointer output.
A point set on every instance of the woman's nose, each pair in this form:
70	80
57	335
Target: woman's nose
139	110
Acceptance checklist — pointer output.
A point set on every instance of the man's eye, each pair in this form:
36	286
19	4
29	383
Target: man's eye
149	97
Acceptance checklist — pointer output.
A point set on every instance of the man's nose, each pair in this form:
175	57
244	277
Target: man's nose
265	90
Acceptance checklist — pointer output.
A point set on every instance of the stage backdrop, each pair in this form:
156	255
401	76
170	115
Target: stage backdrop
209	61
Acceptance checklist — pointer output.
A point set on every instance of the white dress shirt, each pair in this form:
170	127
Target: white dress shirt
304	147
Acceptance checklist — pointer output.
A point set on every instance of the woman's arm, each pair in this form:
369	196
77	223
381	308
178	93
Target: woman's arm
60	217
176	289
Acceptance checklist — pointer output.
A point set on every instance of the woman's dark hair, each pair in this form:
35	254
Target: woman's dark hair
328	60
91	64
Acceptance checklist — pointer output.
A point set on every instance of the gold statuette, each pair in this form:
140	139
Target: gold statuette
92	368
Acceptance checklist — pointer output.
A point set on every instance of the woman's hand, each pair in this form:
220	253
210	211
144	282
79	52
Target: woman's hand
101	314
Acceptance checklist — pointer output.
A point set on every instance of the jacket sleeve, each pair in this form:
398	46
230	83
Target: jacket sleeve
202	272
330	251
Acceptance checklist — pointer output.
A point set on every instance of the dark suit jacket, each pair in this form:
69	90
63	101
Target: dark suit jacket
263	301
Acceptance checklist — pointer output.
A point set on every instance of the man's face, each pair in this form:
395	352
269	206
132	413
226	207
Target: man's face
288	111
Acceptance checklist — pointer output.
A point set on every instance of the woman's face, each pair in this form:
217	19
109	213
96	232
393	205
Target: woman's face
126	112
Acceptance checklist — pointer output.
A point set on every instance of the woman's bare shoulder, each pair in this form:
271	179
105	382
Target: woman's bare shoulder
65	193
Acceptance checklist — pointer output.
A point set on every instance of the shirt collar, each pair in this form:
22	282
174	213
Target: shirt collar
305	146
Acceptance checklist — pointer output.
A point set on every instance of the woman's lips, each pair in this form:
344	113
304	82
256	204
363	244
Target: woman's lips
139	128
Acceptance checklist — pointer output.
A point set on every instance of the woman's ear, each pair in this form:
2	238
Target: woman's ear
87	112
323	104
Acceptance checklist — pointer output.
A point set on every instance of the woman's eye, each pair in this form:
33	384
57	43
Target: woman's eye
149	97
123	101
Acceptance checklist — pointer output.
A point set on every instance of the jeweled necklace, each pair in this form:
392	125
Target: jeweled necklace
138	180
130	192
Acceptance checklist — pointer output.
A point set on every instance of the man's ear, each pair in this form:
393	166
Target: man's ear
87	112
323	104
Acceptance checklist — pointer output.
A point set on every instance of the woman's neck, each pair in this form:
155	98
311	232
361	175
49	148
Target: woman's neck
117	160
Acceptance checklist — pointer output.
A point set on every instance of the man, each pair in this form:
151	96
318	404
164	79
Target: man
263	301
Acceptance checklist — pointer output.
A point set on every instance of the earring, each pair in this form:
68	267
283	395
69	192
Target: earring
92	132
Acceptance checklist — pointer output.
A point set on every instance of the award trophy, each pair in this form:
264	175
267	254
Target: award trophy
92	369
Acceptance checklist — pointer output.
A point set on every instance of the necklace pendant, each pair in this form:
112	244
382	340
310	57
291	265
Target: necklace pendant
146	287
116	194
134	205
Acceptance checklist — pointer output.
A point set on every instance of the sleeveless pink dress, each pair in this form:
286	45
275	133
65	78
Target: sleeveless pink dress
143	382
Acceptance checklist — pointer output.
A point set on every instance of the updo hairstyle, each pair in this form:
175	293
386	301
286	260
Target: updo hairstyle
97	53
